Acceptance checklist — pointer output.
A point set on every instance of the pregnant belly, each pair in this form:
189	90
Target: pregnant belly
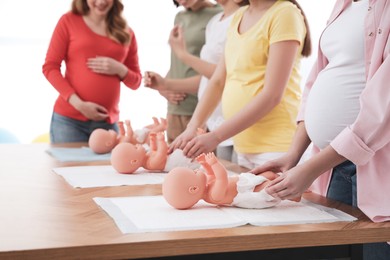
332	105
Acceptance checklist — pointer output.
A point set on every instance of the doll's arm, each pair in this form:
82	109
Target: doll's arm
201	159
158	154
218	190
142	135
157	126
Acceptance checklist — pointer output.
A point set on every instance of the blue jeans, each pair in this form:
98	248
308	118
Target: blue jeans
343	188
66	130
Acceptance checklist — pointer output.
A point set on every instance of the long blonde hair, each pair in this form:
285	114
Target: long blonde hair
116	25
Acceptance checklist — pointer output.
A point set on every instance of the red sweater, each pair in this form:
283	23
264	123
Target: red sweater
74	42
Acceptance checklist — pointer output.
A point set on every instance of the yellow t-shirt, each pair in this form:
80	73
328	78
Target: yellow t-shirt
246	59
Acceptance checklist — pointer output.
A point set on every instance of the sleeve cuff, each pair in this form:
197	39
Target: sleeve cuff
132	81
349	145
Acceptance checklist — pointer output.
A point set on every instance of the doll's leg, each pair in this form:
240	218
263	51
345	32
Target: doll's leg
157	156
122	131
152	141
129	131
162	146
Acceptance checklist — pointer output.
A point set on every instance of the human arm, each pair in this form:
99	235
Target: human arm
55	55
128	71
90	110
294	182
155	81
178	46
280	62
204	108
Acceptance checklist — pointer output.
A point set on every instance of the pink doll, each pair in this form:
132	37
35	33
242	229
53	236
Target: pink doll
182	187
141	136
128	157
103	141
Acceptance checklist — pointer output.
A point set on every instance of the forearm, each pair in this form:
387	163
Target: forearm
300	142
75	101
259	107
322	162
203	67
206	105
122	71
130	74
187	85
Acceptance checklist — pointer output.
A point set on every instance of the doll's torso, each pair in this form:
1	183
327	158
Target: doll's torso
230	194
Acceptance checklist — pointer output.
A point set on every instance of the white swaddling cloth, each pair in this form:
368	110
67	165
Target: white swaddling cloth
141	134
247	198
178	159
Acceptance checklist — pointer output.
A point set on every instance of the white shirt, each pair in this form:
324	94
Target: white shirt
212	52
333	102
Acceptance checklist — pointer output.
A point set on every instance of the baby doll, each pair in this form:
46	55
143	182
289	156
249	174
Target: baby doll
128	157
103	141
182	187
141	136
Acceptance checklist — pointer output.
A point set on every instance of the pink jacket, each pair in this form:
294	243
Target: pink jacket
367	141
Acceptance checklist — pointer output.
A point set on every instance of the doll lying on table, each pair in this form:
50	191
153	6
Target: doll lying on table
127	157
103	141
183	187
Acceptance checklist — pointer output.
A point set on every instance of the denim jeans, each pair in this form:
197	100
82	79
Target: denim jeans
65	130
343	188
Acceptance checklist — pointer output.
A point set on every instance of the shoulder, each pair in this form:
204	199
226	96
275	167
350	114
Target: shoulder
287	13
286	8
70	18
217	17
212	10
236	17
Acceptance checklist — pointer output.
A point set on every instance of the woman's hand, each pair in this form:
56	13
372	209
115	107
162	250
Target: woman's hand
107	66
181	141
90	110
298	179
154	80
281	164
177	42
173	96
204	143
292	183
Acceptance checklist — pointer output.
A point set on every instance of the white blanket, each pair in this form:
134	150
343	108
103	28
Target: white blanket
152	214
82	154
105	176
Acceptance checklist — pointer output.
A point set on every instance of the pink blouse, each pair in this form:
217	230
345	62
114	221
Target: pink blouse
366	142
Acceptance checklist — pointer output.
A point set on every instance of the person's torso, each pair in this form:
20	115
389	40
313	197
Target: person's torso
194	27
212	52
246	58
333	103
90	86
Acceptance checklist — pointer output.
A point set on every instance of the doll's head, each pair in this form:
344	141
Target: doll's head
127	157
182	187
102	140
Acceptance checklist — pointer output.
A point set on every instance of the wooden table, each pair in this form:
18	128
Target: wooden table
43	217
